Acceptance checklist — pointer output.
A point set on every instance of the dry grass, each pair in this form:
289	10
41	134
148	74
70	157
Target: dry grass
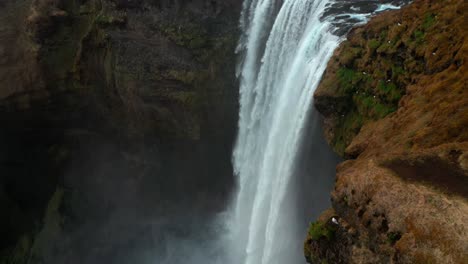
433	226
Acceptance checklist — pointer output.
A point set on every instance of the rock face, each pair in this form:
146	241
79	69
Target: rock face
394	98
106	97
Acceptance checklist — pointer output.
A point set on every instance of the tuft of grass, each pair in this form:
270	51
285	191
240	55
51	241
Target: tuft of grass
389	92
429	20
381	110
347	128
319	230
419	36
397	71
374	44
346	199
348	79
349	55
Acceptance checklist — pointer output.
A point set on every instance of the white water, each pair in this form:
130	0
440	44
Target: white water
387	7
286	47
277	81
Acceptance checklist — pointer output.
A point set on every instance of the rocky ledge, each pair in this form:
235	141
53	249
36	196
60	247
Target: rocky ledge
394	98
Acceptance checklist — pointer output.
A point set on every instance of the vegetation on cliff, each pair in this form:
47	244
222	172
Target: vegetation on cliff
371	71
394	98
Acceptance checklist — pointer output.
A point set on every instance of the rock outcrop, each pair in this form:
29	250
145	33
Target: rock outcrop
110	102
395	99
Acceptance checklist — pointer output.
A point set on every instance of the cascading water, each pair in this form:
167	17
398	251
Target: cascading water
276	91
286	46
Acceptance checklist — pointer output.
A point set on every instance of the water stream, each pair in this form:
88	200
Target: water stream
285	48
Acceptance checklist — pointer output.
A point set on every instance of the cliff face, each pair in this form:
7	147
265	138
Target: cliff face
106	96
395	98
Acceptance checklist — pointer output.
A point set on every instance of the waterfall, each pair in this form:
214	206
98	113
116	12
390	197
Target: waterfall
286	48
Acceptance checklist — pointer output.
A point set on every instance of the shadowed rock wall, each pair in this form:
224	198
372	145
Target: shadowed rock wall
121	114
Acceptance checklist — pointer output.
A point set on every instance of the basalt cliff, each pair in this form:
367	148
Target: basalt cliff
112	111
395	104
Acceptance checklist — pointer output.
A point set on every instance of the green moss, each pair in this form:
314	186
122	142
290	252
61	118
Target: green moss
319	230
394	95
387	47
429	21
389	92
347	127
383	34
374	44
397	71
419	36
349	55
382	110
348	79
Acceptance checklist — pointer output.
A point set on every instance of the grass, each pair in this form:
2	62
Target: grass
319	230
348	79
381	110
389	92
419	36
347	128
397	71
429	21
374	44
349	55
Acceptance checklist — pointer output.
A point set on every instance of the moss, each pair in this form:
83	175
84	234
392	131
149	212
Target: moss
419	36
389	92
382	110
429	21
387	48
349	55
348	79
319	230
397	71
347	127
374	44
383	34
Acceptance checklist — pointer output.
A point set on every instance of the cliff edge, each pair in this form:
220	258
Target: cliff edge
395	101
